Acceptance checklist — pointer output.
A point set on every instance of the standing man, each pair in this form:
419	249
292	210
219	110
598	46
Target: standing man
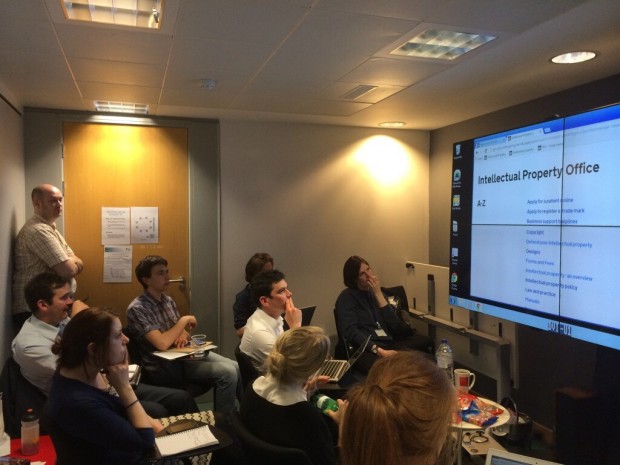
40	247
154	318
265	325
50	299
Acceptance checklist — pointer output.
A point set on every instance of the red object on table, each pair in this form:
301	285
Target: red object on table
46	454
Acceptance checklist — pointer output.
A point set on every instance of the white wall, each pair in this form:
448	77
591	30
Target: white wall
300	193
12	209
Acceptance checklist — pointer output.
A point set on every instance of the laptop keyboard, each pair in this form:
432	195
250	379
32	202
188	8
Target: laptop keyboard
331	368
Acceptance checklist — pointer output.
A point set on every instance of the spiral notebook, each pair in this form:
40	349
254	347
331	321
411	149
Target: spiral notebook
184	441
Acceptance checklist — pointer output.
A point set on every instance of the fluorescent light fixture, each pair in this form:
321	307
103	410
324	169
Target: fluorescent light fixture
121	107
573	57
133	13
392	124
441	45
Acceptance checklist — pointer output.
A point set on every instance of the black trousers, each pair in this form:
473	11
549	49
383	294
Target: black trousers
159	402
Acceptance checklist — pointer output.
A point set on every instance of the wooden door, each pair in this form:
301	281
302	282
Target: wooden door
108	165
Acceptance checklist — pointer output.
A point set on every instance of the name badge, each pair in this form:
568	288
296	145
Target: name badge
380	333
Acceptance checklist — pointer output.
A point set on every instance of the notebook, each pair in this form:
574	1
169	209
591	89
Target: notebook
502	457
179	352
306	315
176	442
336	369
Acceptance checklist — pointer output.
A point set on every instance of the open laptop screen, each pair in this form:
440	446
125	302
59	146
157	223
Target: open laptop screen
497	457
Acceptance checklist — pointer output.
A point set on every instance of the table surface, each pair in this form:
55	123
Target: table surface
46	454
502	418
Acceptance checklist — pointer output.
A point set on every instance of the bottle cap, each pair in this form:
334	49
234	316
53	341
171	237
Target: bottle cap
29	416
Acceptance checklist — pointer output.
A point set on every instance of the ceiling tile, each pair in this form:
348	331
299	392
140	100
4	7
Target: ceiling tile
340	42
197	57
394	72
118	93
115	72
111	43
416	10
337	90
265	21
193	97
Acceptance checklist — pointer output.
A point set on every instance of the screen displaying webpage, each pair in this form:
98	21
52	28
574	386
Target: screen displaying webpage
536	225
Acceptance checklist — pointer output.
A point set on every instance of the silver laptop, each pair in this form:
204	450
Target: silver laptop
336	369
502	457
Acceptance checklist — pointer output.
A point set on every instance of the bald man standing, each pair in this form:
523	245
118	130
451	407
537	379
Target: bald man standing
40	247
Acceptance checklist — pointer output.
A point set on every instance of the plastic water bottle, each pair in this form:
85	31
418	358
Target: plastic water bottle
324	403
445	361
30	433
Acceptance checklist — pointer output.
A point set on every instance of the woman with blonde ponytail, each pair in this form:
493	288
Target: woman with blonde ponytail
276	408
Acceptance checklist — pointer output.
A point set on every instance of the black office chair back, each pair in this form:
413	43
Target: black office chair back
18	396
246	367
419	342
342	350
259	452
399	294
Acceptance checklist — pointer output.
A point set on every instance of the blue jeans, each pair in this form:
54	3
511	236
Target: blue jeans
218	370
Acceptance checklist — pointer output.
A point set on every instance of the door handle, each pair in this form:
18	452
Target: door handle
181	282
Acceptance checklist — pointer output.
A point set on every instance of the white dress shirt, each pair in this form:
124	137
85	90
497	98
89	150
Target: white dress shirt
259	336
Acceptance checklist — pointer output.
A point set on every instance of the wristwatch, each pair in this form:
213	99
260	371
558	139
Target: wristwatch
374	349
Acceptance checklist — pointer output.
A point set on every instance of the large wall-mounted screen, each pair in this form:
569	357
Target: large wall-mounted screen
535	233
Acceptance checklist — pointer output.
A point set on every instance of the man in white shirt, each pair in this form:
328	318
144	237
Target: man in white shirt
270	290
50	299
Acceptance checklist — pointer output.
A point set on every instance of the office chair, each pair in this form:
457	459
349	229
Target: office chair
342	349
422	343
18	396
246	367
399	295
259	452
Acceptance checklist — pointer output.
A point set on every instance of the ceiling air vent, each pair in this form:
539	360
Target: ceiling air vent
358	91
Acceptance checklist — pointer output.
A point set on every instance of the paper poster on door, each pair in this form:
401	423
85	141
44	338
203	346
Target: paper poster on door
115	225
117	264
144	225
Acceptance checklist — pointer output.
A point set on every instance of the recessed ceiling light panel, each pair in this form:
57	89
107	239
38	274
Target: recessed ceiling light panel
133	13
573	57
392	124
441	44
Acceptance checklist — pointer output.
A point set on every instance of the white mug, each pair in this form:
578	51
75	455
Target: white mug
464	380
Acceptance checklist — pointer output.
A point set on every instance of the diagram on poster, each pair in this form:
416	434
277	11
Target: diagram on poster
144	225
